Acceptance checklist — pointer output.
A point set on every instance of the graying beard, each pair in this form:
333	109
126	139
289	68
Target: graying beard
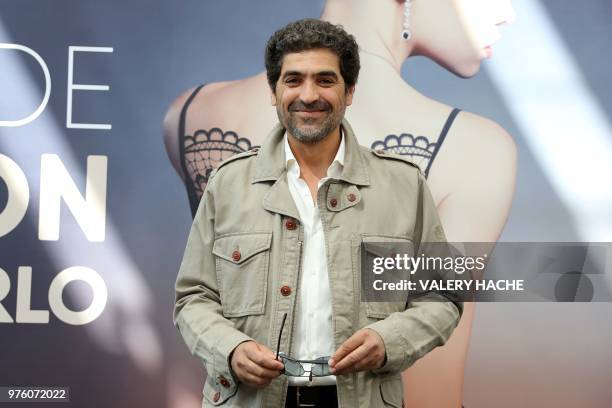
308	138
327	127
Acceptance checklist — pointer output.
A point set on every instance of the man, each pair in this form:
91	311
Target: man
272	260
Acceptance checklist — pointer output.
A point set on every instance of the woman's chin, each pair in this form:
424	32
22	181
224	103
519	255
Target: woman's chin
466	70
465	67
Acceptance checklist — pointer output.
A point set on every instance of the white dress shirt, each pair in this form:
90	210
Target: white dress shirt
313	336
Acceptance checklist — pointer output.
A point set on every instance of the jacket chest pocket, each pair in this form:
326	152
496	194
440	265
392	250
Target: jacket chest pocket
242	261
380	300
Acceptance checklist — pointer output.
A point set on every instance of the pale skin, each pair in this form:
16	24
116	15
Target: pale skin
471	180
311	76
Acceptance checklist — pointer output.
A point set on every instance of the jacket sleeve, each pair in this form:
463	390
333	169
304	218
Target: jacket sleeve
197	310
429	320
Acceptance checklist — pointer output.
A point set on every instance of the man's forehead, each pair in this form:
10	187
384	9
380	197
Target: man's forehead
311	61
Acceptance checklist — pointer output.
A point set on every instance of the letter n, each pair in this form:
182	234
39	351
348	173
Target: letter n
56	184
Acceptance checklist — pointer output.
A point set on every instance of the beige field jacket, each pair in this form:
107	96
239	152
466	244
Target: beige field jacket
239	274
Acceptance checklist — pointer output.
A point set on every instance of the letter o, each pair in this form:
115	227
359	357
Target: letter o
18	195
95	309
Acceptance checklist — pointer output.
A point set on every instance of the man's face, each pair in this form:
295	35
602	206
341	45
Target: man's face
311	95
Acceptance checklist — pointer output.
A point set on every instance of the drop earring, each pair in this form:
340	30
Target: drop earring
406	34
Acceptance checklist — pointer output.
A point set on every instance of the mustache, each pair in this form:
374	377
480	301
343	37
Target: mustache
309	107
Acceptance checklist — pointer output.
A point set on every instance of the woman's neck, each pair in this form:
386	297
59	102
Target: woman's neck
376	25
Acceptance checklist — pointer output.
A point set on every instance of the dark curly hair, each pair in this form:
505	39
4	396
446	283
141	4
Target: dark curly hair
308	34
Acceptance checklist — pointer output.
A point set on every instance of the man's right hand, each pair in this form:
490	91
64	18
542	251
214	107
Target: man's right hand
255	364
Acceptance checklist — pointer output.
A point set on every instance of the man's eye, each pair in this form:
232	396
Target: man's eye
291	81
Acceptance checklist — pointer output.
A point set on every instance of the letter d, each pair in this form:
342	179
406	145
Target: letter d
45	100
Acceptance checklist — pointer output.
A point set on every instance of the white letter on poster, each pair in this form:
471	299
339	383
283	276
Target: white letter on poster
56	183
82	87
5	286
98	303
24	294
18	195
45	99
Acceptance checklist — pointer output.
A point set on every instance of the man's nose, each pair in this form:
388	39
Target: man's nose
309	92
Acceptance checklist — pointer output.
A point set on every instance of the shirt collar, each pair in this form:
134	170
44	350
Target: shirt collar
334	170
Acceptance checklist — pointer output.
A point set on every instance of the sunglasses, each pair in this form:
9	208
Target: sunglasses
301	368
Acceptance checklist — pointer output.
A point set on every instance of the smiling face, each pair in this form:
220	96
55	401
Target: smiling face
311	96
458	34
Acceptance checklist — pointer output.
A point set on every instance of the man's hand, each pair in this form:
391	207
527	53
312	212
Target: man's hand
255	364
364	350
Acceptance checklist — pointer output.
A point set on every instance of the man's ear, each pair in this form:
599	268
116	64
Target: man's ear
272	97
349	95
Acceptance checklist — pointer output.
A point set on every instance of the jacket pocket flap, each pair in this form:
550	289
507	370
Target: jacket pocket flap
380	249
385	246
238	248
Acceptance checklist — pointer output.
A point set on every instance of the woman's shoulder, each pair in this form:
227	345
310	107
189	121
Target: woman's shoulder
482	134
477	149
476	132
225	105
211	101
238	112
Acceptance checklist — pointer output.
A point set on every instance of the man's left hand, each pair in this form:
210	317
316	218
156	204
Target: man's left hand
364	350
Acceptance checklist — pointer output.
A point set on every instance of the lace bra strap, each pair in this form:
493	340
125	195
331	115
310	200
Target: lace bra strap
191	193
445	129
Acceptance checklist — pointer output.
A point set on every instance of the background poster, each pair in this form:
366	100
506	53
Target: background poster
547	85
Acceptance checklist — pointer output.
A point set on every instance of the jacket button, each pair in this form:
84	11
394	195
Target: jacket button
224	381
290	224
333	202
351	197
285	290
216	396
236	256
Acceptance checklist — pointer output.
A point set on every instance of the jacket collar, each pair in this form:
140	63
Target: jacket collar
271	164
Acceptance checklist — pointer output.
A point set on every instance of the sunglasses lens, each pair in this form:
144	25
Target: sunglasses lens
320	369
292	368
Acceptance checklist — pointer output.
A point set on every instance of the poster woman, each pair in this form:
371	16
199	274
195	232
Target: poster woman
469	160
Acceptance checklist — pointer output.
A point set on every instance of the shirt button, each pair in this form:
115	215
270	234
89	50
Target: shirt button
216	396
351	197
236	256
333	202
224	381
285	290
290	224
